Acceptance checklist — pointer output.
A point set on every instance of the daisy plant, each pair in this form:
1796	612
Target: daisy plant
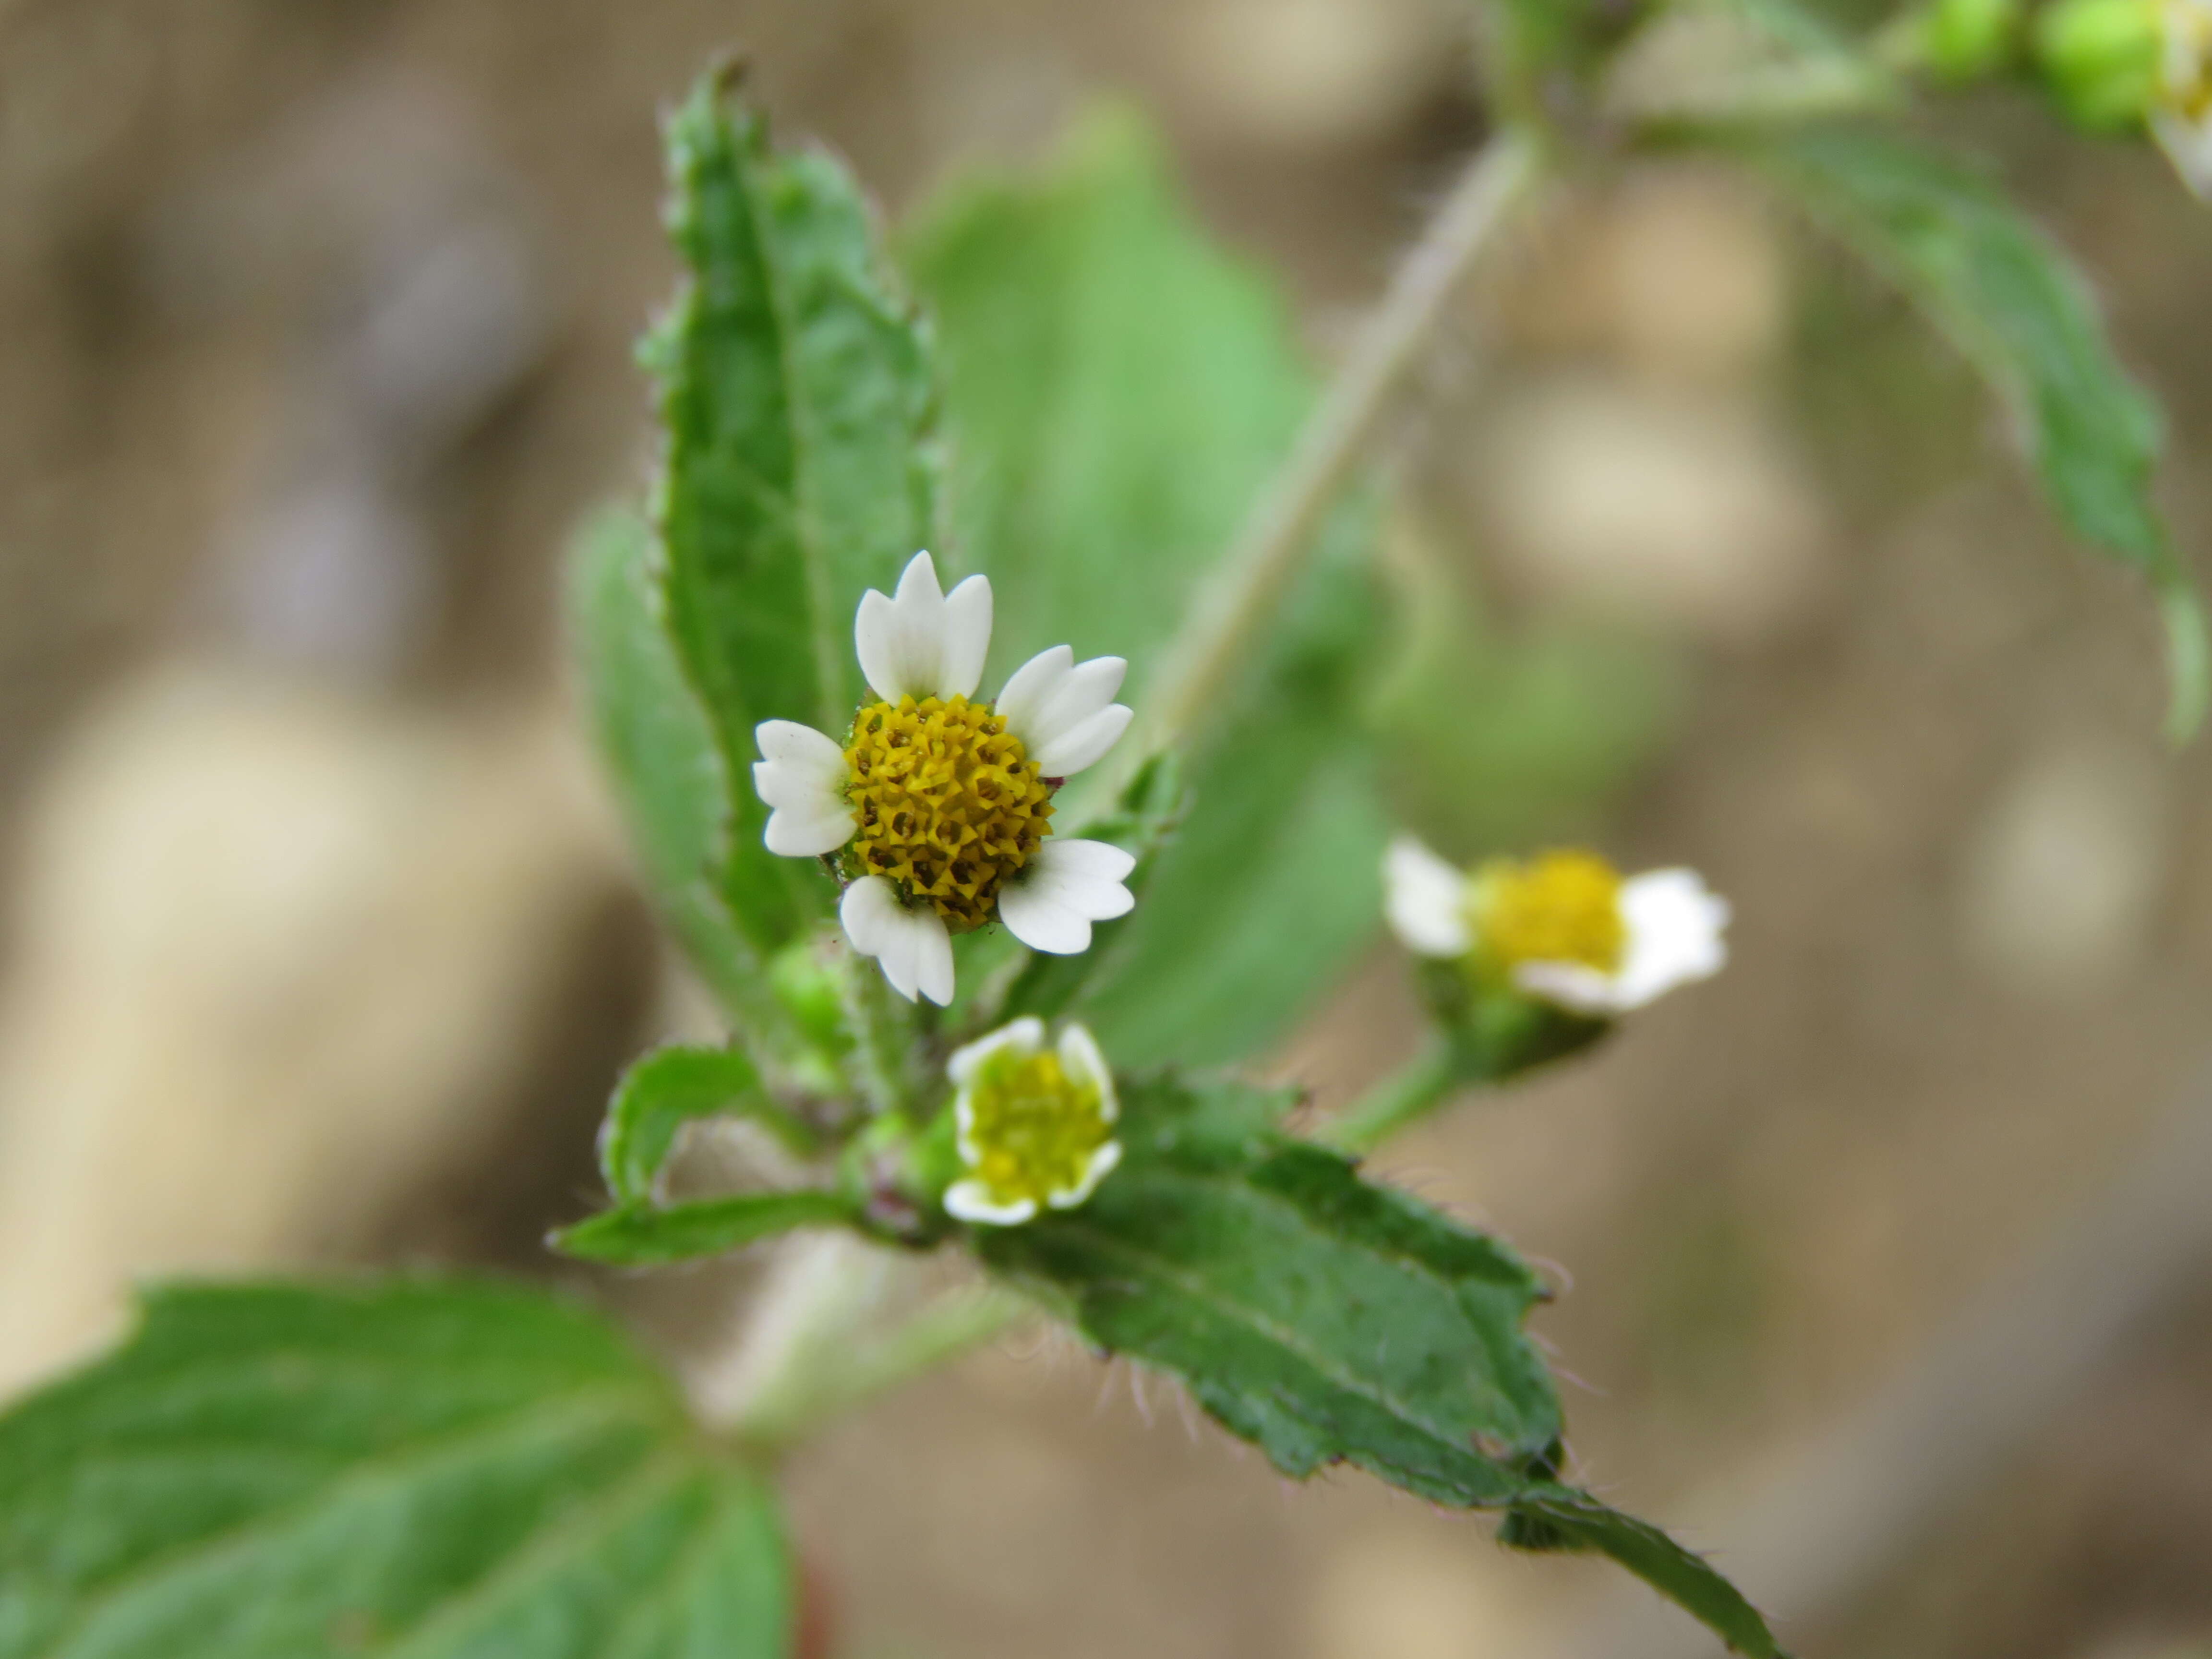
996	975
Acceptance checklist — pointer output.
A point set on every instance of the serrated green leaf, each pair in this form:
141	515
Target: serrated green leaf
669	1088
1324	1319
668	775
2014	304
422	1470
1122	392
647	1235
1327	1319
802	463
1552	1517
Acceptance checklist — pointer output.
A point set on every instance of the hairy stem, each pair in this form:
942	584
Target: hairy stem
1405	1096
1281	526
835	1369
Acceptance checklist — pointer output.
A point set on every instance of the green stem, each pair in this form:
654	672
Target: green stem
883	1029
830	1381
1406	1096
1393	346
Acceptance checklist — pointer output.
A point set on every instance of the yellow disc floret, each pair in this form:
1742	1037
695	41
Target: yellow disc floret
947	802
1556	907
1030	1131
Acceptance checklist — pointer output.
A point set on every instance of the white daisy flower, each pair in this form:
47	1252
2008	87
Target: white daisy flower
1564	927
939	808
1035	1123
2181	115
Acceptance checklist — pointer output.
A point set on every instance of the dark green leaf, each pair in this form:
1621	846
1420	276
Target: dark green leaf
2013	303
647	1235
1552	1517
1327	1320
668	775
427	1471
668	1089
1320	1317
801	466
1122	392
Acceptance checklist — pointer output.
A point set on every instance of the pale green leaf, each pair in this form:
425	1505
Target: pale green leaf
644	1235
660	752
420	1470
2014	304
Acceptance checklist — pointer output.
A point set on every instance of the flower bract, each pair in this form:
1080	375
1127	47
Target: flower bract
938	807
1035	1123
1563	926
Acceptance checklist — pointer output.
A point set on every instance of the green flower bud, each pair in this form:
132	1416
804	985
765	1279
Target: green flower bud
1968	40
2103	59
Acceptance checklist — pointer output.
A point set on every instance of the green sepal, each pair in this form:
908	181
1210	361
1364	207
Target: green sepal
2102	60
1495	1032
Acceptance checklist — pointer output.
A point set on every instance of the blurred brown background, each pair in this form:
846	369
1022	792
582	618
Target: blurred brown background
317	944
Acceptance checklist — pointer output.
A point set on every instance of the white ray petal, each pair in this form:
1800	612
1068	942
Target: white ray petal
902	640
1080	1059
1082	744
1101	1165
1025	1036
1674	924
1068	885
1425	901
1031	686
802	779
1574	986
795	833
966	638
971	1201
933	957
1082	692
909	944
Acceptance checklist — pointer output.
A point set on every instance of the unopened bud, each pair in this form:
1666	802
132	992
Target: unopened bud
2103	59
1966	39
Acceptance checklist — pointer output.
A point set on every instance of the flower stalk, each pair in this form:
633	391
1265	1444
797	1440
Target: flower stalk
1281	526
1406	1096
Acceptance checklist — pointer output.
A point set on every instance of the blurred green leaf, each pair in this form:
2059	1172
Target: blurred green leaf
419	1469
669	778
644	1235
802	460
1552	1517
669	1088
2015	307
1322	1318
1122	392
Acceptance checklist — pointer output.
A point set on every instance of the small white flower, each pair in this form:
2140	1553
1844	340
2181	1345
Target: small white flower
939	806
1564	927
2181	115
1036	1124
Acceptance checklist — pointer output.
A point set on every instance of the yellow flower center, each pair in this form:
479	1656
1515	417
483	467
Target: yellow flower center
948	804
1032	1129
1556	907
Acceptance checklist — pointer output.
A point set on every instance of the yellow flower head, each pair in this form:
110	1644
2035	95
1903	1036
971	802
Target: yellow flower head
1035	1123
